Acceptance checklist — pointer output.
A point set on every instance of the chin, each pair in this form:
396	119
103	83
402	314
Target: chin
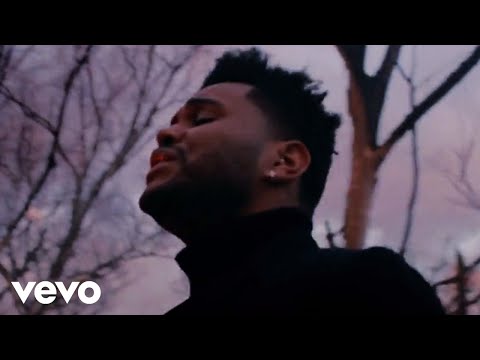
159	197
145	201
148	198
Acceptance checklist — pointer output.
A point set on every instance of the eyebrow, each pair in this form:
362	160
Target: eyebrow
199	101
204	101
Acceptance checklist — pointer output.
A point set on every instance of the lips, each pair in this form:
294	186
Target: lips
161	156
158	158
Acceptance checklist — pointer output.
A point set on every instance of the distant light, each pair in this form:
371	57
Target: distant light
35	214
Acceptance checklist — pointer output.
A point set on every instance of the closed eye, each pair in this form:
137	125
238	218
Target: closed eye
202	120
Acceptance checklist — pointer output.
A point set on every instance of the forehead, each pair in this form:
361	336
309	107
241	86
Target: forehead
231	95
232	99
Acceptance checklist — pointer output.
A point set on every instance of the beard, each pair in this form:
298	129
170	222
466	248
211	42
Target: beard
201	194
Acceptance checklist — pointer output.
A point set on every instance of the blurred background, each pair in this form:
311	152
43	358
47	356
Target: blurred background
78	124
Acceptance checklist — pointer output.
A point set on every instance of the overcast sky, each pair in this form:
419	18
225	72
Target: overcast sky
441	131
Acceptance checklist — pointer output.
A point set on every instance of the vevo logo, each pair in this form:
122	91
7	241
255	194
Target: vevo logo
45	292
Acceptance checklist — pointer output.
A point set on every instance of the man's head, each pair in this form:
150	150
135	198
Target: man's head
253	138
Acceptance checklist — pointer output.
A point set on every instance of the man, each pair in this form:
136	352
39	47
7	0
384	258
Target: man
237	176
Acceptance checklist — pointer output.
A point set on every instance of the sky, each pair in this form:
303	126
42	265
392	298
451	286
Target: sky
440	227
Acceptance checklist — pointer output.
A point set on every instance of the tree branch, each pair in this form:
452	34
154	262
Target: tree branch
453	79
28	111
389	61
379	86
416	172
131	138
461	286
330	235
16	300
5	58
462	183
50	163
413	195
354	57
454	279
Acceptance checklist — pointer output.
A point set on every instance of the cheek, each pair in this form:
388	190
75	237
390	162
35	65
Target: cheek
240	158
227	155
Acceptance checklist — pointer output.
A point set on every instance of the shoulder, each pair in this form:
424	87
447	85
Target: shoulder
392	284
378	281
383	264
365	260
373	263
380	258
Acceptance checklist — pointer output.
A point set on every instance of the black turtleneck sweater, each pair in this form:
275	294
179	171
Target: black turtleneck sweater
269	264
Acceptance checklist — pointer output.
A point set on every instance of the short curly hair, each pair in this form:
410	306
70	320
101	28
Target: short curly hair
294	103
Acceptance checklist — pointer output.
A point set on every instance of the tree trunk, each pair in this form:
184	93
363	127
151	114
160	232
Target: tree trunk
365	161
360	194
366	97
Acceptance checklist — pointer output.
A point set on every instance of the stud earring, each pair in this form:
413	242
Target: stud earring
272	174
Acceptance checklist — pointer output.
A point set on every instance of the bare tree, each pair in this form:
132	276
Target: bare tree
5	56
74	118
331	235
460	180
366	96
410	79
458	292
461	294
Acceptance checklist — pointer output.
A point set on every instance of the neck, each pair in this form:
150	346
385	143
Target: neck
223	247
190	226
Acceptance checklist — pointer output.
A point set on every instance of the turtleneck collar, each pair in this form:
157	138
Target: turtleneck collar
224	247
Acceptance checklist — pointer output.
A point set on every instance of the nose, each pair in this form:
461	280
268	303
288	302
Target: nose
171	135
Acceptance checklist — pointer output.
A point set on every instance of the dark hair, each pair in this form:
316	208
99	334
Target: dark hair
293	98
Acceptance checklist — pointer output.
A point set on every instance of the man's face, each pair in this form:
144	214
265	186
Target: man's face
207	159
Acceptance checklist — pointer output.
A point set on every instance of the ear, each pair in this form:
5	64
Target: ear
289	161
